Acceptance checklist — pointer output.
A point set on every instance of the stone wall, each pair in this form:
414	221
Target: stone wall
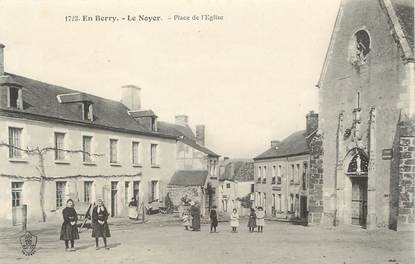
406	173
176	193
315	185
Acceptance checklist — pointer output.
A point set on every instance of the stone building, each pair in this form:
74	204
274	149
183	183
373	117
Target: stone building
282	174
196	175
236	184
59	143
362	167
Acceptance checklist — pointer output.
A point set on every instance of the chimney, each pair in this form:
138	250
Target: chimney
200	134
130	97
2	59
182	120
311	122
275	143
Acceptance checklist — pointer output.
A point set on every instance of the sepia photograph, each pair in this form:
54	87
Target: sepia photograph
215	131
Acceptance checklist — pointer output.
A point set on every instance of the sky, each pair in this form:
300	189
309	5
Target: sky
249	78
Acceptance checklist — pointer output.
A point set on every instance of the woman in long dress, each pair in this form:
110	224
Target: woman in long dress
195	212
234	220
99	224
69	230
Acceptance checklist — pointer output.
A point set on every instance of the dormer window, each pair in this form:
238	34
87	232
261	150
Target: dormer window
154	124
15	97
87	113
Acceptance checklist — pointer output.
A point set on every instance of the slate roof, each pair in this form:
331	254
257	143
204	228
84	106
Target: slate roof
404	10
40	102
295	144
186	136
142	113
189	178
238	170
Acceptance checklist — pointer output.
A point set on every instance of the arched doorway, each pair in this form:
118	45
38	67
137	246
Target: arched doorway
356	168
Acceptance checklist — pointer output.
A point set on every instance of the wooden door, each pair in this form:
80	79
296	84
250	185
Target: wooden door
359	201
303	206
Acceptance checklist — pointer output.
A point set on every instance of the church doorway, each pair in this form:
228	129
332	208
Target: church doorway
357	172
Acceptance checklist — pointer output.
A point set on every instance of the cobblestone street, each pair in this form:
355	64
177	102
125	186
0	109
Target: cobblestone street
165	241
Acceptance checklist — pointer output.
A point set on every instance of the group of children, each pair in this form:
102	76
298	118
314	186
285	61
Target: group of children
256	220
69	230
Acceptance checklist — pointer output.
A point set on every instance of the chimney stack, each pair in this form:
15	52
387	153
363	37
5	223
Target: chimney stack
275	143
182	120
2	59
131	97
311	122
200	134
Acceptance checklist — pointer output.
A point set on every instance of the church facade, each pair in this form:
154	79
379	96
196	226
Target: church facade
362	160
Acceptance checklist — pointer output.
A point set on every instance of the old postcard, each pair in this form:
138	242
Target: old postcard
190	131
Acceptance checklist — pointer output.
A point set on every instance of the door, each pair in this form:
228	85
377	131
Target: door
136	188
114	198
359	201
17	202
303	207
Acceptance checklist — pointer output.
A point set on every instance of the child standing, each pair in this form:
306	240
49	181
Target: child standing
69	230
260	219
252	220
186	220
234	220
213	220
99	224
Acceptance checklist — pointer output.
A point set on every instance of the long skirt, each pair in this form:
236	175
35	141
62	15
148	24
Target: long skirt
132	212
214	221
196	222
99	230
252	222
260	222
234	223
69	232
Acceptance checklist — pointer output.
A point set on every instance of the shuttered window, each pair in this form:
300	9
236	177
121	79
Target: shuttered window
15	135
135	153
154	154
87	191
113	150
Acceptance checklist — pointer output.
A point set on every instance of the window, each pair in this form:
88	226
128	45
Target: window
259	173
264	175
292	174
279	174
127	192
136	187
228	185
214	168
15	142
279	209
252	188
59	146
15	100
113	150
86	148
291	203
136	151
87	113
297	174
359	48
154	154
87	191
60	193
17	194
305	172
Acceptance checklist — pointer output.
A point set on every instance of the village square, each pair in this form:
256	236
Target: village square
84	178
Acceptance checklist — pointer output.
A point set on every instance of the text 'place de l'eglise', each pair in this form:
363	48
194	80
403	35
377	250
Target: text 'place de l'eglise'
352	164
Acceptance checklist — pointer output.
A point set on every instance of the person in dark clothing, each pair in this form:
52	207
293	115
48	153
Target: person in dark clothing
99	224
69	230
213	220
252	220
195	212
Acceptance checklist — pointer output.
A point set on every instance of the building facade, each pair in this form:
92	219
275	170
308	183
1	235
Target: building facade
58	143
236	185
196	175
282	174
362	171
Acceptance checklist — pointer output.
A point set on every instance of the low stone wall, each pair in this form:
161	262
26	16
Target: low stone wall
176	193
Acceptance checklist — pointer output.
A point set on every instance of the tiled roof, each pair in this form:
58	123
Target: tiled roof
404	10
238	170
295	144
40	101
189	178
